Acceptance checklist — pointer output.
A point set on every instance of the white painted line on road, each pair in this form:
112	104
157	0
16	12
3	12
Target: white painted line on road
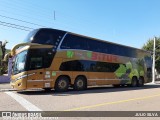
26	104
2	90
114	102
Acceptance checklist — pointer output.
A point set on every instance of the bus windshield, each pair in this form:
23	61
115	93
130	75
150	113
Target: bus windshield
19	62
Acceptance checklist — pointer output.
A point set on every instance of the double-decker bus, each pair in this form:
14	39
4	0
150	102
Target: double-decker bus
51	58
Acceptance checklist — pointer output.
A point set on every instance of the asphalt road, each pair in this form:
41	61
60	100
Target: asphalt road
104	98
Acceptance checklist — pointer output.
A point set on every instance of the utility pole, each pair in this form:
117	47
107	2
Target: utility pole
54	15
153	65
1	52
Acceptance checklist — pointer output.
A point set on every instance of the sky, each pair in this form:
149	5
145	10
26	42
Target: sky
127	22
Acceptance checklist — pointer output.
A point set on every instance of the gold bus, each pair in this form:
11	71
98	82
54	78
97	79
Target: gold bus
51	58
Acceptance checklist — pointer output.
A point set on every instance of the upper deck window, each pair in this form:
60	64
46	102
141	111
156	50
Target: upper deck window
74	42
45	36
30	36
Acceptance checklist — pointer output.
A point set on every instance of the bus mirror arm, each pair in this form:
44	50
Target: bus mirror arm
7	56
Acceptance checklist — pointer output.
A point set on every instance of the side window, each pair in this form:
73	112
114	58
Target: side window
36	63
44	37
99	67
94	45
67	42
109	48
74	42
90	66
35	59
65	66
114	49
39	58
48	57
49	37
72	66
106	48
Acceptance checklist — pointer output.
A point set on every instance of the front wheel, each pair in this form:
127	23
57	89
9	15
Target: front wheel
62	84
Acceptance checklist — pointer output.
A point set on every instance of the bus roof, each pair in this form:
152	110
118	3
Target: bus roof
97	39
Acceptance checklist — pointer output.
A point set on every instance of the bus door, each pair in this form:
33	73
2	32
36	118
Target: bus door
35	78
35	69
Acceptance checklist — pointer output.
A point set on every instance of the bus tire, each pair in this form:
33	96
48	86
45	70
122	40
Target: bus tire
140	82
62	84
134	82
80	83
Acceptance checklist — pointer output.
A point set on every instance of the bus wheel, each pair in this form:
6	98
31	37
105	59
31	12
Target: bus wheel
80	83
134	82
140	82
62	84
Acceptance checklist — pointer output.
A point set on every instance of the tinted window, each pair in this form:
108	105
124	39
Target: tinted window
77	42
39	58
110	48
30	36
48	36
74	42
36	62
94	45
91	66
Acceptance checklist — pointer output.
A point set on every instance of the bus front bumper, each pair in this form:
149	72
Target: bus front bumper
18	85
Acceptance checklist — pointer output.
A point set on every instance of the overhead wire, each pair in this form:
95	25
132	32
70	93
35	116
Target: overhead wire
44	13
27	10
21	20
38	17
15	25
11	25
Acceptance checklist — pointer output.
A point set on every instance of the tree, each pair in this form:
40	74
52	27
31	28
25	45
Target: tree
3	48
149	47
3	65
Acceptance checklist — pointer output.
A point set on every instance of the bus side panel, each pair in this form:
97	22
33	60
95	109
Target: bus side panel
110	78
35	78
95	78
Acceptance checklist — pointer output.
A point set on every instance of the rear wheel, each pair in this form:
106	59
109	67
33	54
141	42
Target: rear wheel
134	82
62	84
140	82
80	83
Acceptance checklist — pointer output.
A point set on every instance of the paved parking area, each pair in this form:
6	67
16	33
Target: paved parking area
104	98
